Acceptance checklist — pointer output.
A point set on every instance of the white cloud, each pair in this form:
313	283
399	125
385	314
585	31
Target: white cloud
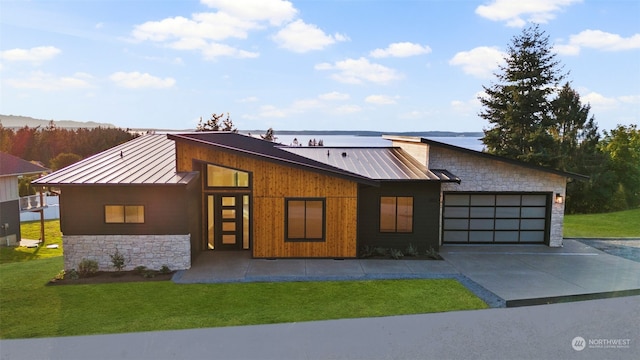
468	107
203	32
35	55
357	71
518	13
301	37
630	99
249	99
479	62
39	80
598	100
215	50
136	80
566	49
334	96
381	99
305	104
270	111
600	40
206	26
348	109
401	49
207	31
276	12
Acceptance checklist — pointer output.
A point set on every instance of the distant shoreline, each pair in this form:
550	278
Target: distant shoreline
17	122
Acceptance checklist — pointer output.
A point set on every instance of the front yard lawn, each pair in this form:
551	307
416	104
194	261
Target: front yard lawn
32	309
615	224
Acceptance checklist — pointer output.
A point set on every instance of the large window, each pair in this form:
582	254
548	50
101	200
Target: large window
120	214
304	219
396	214
218	176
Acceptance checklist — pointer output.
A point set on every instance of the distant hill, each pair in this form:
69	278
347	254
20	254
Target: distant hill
16	122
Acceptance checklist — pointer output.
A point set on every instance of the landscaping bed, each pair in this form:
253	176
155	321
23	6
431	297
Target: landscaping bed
104	277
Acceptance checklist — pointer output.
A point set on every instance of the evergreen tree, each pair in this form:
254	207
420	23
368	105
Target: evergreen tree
518	105
269	135
216	123
571	127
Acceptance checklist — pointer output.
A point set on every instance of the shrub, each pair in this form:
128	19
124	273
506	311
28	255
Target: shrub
380	251
149	274
367	251
117	259
433	254
72	274
396	254
165	269
140	269
411	251
87	267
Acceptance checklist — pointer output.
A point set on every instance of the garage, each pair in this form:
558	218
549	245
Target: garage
496	218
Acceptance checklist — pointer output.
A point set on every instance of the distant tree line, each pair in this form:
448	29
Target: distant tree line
58	147
535	119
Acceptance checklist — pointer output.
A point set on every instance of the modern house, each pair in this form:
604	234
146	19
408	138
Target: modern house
11	204
164	199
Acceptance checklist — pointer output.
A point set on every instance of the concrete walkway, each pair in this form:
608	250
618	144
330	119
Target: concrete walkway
609	328
511	275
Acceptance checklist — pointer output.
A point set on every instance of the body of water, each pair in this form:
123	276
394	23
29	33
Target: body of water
372	141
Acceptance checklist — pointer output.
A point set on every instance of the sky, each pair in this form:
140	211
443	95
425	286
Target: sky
398	65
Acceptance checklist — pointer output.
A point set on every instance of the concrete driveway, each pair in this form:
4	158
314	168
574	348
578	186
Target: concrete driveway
535	274
502	275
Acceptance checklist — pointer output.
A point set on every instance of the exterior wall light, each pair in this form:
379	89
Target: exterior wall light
559	198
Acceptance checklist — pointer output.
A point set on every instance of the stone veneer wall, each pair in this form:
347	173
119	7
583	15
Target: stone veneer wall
151	251
483	174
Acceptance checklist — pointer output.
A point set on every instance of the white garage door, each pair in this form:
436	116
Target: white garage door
496	217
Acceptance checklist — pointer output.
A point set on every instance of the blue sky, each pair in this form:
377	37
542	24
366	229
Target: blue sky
302	65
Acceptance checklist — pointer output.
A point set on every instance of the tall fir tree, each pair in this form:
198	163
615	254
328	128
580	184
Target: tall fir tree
518	105
571	128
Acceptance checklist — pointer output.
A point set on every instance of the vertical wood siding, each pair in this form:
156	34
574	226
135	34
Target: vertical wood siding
271	183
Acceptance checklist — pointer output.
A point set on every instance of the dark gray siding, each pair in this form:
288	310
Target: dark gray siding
426	214
10	214
194	211
166	210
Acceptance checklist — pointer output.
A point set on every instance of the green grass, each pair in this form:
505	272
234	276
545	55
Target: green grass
32	309
616	224
31	230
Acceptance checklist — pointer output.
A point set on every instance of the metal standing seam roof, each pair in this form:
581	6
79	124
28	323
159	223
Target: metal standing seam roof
377	163
266	150
485	155
148	159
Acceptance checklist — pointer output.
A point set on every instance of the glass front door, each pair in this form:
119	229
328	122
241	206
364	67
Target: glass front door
228	221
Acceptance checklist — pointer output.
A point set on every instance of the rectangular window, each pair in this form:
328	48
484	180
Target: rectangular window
396	214
305	219
119	214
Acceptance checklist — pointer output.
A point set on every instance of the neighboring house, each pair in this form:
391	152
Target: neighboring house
164	199
11	169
